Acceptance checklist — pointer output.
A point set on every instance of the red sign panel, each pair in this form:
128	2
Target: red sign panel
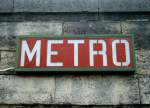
76	53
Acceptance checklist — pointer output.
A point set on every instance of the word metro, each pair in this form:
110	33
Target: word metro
82	52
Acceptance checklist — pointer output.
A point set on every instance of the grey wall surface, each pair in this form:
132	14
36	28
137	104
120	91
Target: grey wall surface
74	6
74	89
49	17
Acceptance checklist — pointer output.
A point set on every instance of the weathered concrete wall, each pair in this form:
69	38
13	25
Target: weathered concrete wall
80	89
74	6
37	17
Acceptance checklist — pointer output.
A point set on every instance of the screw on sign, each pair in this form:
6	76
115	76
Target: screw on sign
76	53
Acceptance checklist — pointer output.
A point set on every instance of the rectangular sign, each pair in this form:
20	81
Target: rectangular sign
76	53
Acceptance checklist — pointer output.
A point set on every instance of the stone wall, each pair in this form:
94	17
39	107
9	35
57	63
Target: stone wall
60	17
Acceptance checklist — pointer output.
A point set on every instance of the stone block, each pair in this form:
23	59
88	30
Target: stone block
55	5
143	61
7	60
141	30
97	90
91	27
144	89
6	6
9	30
124	5
26	90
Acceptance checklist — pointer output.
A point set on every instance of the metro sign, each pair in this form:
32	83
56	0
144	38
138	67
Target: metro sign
76	53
